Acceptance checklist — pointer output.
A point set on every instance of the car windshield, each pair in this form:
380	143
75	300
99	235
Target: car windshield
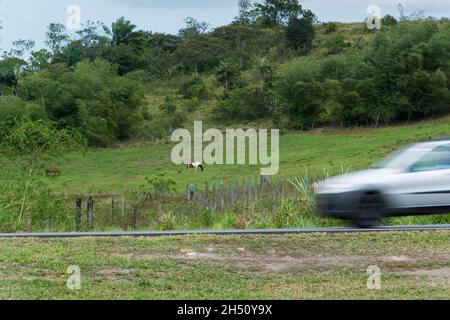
402	158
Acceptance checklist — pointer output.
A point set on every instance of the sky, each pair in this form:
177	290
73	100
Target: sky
25	19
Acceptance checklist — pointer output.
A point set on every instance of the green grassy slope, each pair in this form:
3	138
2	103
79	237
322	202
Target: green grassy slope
124	168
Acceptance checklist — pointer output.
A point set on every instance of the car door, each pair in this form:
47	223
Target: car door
426	184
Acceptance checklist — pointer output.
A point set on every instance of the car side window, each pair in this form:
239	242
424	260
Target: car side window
436	159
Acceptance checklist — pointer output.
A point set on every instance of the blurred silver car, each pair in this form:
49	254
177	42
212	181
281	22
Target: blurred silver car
414	180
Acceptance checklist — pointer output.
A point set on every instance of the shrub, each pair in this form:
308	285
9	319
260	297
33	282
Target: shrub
335	44
203	219
306	196
191	105
166	222
247	103
42	210
194	88
300	34
169	106
285	214
388	20
330	27
13	110
232	220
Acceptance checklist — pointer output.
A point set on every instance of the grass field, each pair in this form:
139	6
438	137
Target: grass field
413	265
122	169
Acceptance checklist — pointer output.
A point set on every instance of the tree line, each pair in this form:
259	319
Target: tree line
95	79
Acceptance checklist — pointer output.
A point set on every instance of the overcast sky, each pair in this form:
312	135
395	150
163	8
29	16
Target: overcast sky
25	19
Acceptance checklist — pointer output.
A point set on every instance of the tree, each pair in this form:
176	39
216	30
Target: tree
277	12
90	34
123	32
71	54
14	110
227	73
40	60
90	97
20	48
128	46
11	70
300	34
305	104
245	12
201	53
166	42
246	103
56	37
193	28
265	71
388	20
308	14
194	88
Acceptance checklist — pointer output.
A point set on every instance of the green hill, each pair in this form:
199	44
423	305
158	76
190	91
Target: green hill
124	168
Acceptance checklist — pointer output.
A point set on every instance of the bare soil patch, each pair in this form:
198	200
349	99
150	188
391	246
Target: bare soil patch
437	276
273	263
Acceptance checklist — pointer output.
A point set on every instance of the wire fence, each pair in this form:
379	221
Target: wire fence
220	196
135	210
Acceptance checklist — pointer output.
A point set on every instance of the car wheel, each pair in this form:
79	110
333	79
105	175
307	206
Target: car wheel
370	210
365	223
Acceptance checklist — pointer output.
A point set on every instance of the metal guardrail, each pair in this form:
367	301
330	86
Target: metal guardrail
225	232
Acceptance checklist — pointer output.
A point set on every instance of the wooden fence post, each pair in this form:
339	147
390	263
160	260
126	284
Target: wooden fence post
197	194
191	192
207	195
123	211
79	209
274	197
222	187
90	212
214	204
135	214
113	209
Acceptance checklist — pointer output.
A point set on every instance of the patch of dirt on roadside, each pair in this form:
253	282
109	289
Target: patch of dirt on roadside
273	263
113	274
137	256
437	276
14	271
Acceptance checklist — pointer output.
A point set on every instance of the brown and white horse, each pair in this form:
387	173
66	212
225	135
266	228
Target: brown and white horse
196	165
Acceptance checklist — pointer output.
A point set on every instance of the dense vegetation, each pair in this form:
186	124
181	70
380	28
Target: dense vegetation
275	65
274	62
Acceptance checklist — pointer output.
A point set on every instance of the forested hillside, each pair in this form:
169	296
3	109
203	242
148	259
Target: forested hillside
274	64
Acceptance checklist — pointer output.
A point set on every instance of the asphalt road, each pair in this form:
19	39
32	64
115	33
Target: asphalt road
224	232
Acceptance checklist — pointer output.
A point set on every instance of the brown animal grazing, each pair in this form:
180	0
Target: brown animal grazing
195	166
52	171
